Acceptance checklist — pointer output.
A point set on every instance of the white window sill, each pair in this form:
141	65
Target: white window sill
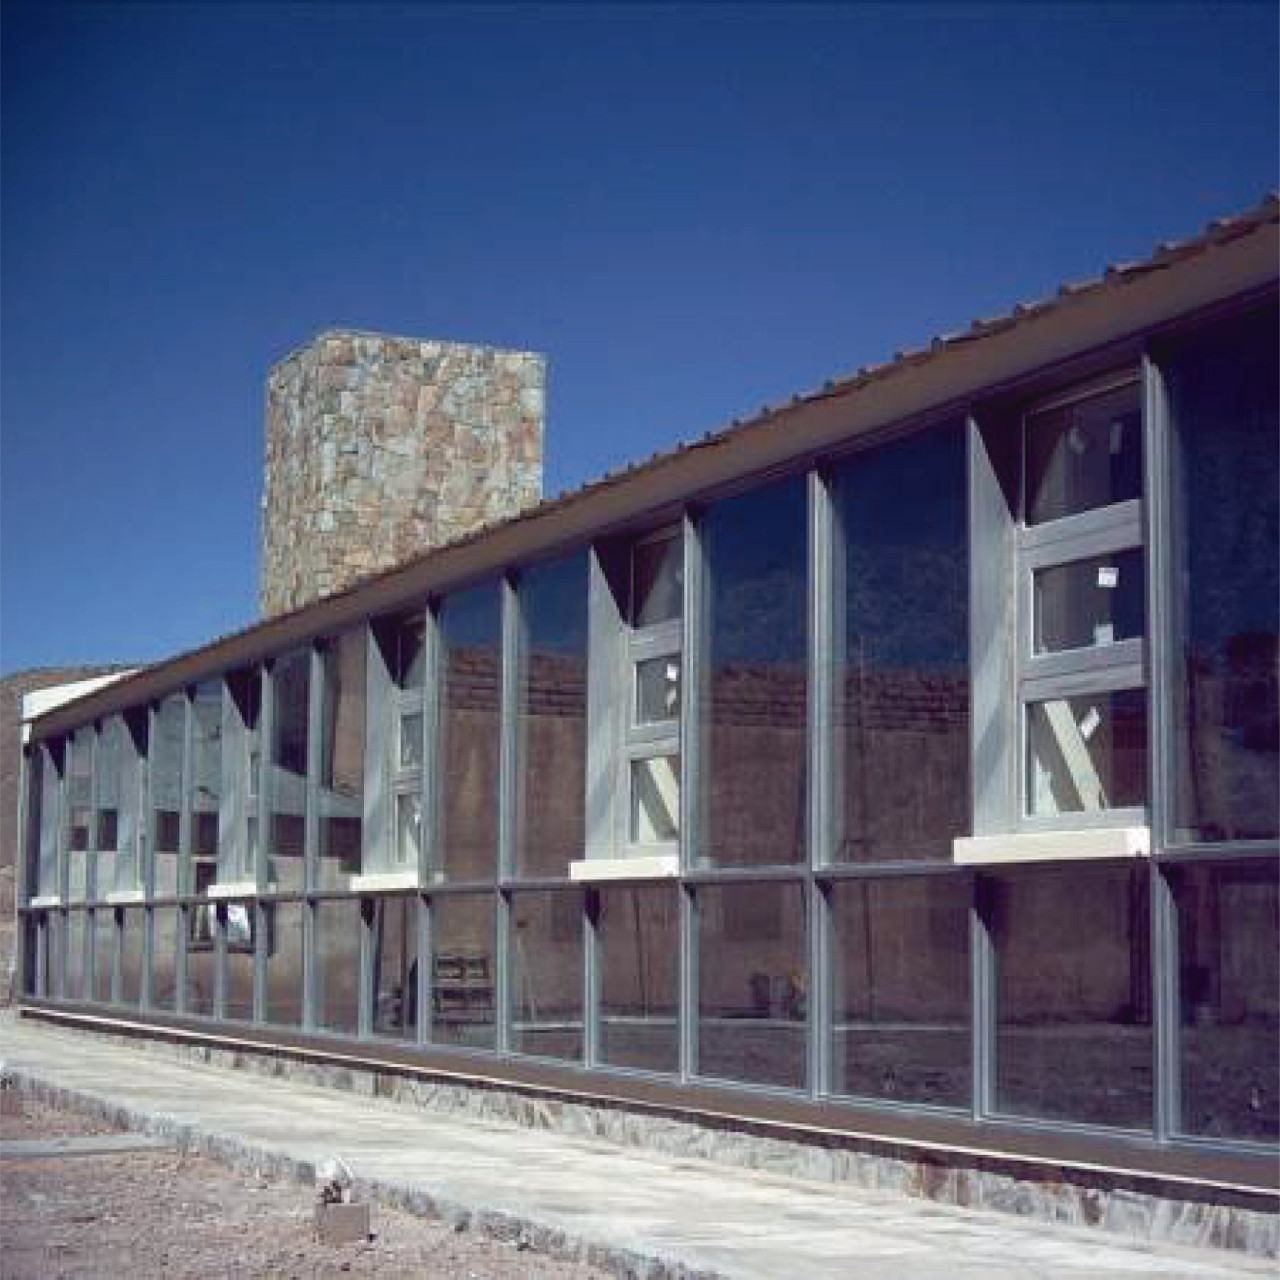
236	889
1052	846
46	900
663	866
118	896
375	880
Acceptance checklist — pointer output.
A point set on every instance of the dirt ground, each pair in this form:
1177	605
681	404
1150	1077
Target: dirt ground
152	1214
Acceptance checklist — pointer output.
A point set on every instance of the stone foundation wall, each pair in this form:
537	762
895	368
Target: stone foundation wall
379	448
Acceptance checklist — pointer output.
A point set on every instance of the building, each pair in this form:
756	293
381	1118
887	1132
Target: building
895	773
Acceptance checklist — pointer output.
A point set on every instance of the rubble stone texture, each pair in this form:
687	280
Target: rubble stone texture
380	448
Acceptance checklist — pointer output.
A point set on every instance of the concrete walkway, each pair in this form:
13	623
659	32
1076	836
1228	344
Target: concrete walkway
634	1213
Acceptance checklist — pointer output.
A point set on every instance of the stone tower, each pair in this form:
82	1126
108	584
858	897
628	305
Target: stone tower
378	448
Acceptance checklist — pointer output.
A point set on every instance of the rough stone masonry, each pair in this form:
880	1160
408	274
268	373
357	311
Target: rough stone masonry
380	448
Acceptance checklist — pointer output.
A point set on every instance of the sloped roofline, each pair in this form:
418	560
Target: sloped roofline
1230	260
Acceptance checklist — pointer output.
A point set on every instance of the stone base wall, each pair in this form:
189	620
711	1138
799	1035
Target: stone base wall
1142	1207
379	448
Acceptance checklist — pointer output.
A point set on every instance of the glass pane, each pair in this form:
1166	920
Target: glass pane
1090	602
409	664
201	958
471	633
639	953
394	978
410	755
1088	753
75	972
1073	990
546	974
338	966
655	800
284	963
902	709
118	783
753	762
1085	454
408	830
752	983
206	780
48	819
658	690
106	786
1226	525
553	717
657	581
342	760
1229	935
166	791
463	970
166	938
131	952
290	687
80	818
239	923
104	954
901	989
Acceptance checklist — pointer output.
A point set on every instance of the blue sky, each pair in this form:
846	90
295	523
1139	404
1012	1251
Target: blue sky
692	210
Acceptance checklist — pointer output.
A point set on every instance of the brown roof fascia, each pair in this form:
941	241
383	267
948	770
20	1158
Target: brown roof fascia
1234	258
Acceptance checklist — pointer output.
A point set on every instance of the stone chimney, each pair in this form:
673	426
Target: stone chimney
379	448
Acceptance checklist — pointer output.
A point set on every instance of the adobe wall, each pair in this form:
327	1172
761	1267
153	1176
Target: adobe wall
379	448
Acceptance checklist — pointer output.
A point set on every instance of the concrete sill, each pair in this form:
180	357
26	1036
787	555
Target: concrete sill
46	900
120	896
236	889
665	866
1052	846
376	880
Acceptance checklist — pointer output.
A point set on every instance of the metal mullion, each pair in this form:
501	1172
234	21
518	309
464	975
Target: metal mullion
219	922
509	729
1102	659
312	986
591	907
266	732
837	872
982	998
687	1014
693	654
1227	850
647	741
117	954
1165	999
820	760
793	873
424	946
186	817
61	870
147	818
184	914
316	676
1081	683
1083	535
263	925
148	955
431	837
503	986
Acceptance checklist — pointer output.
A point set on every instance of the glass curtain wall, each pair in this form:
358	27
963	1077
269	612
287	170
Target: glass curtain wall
342	748
166	790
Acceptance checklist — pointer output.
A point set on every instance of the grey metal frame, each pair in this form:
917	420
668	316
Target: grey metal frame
1003	672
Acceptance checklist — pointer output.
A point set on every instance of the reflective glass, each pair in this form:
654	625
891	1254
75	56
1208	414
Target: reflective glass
1085	454
901	989
394	957
408	830
342	760
655	800
463	970
75	972
902	709
284	963
1088	753
337	948
80	815
471	634
201	959
290	688
1089	603
657	690
165	785
547	974
1073	992
48	818
239	927
104	954
1226	526
1229	936
132	944
552	717
752	983
206	779
410	755
165	941
657	581
638	940
753	731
